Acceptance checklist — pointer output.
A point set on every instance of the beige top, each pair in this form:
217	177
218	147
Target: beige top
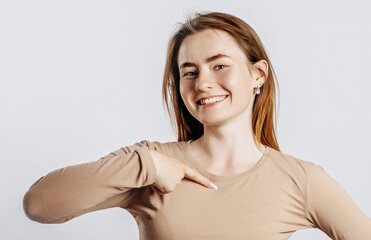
278	196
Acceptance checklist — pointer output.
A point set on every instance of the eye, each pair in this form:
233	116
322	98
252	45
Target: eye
189	74
217	67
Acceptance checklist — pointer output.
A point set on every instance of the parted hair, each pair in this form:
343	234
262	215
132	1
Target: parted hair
264	113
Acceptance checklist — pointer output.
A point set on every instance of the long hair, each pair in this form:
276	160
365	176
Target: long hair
264	108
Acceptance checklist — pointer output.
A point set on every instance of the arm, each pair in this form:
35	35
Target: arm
71	191
331	209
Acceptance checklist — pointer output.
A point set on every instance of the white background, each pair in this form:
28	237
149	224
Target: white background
80	79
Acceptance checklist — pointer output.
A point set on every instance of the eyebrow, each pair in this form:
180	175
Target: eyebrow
207	60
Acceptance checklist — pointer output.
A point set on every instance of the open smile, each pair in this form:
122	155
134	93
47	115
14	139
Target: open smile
212	100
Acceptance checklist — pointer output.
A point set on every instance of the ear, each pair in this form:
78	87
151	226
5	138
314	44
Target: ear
260	73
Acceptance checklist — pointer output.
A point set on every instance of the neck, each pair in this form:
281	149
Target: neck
230	143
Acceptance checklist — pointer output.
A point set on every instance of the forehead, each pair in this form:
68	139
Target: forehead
199	46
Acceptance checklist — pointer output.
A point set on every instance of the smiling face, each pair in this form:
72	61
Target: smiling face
215	82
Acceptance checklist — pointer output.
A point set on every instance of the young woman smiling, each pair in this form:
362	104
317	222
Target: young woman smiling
219	88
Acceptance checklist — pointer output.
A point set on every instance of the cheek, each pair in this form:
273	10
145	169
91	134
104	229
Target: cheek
184	89
231	81
181	89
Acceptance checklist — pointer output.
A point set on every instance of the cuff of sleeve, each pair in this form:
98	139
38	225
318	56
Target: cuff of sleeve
148	165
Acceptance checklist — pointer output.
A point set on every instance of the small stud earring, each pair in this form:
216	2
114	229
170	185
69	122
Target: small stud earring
258	90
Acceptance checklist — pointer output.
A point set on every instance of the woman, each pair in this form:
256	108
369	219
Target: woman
225	177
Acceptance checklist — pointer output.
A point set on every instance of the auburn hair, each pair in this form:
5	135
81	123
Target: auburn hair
264	108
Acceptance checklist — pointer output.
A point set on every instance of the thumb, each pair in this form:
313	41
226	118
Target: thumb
196	176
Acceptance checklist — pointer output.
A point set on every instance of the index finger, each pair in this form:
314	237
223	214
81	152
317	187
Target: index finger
196	176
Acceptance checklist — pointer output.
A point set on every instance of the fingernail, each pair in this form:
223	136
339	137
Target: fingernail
212	185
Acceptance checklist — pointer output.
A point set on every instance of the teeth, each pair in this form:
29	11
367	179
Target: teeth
212	100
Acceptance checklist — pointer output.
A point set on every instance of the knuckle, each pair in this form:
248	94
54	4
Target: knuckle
172	187
190	172
185	168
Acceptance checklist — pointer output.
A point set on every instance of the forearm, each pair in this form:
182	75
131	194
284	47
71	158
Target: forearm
73	190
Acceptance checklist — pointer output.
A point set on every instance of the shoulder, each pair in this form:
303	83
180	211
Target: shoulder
292	169
292	172
289	163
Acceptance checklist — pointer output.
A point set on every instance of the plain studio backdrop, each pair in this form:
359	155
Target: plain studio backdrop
80	79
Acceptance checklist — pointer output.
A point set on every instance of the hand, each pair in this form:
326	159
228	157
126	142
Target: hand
170	172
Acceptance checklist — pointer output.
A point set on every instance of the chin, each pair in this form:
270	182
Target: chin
212	121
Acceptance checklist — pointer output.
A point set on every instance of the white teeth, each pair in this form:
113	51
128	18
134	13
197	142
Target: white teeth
212	100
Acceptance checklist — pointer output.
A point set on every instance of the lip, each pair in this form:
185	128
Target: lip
199	100
214	103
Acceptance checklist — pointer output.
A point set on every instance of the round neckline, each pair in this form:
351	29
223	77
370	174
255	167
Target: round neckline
220	178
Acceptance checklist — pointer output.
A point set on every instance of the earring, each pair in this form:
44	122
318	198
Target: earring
258	90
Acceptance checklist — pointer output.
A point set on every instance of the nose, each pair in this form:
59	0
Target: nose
203	82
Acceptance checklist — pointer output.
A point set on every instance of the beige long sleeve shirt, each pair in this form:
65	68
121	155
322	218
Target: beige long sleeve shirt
278	196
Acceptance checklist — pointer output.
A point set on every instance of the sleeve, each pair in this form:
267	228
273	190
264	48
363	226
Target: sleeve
71	191
332	210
